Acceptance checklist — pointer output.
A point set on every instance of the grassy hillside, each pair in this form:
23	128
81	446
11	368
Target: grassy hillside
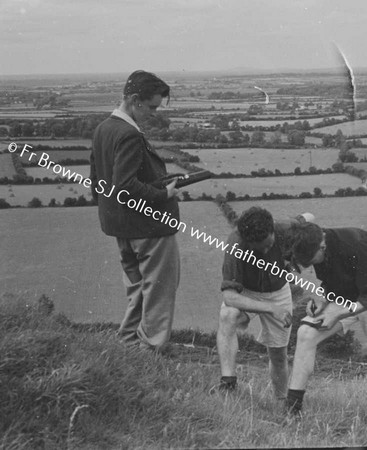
70	387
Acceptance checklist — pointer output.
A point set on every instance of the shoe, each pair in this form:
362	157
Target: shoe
223	388
291	415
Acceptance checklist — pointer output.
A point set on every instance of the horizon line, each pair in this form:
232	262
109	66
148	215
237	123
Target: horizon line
234	71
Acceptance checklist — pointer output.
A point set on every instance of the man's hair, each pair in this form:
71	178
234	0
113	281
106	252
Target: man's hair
307	243
146	85
255	224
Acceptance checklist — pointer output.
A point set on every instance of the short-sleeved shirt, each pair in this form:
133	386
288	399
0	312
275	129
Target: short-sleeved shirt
344	269
240	271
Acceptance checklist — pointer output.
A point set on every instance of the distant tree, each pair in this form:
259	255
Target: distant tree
35	203
255	109
276	138
296	137
52	203
340	192
70	201
346	156
236	136
186	197
317	192
312	170
27	129
15	129
297	171
81	201
338	167
306	125
222	139
258	137
327	140
230	196
339	138
246	139
305	195
4	204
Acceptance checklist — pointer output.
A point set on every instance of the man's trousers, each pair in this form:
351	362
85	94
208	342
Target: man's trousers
151	271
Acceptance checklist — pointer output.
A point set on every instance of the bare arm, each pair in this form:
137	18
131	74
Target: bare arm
239	301
244	303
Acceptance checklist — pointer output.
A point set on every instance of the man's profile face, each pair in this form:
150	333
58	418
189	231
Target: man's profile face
319	256
146	108
263	246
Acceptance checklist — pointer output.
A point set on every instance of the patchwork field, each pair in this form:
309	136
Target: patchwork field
40	172
272	123
21	195
360	152
348	128
294	185
56	156
360	165
77	266
51	142
245	160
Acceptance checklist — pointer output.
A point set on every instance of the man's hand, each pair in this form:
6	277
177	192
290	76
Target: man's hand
315	307
171	190
282	314
331	315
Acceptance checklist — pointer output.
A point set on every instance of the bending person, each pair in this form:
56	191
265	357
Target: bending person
339	256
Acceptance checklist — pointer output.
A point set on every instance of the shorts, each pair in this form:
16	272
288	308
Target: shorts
272	332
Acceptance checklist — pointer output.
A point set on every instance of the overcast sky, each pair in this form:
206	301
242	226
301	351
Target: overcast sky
88	36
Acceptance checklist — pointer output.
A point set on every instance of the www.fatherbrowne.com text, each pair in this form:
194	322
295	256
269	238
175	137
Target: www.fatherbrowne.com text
139	205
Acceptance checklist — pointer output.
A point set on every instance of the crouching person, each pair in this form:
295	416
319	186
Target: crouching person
254	283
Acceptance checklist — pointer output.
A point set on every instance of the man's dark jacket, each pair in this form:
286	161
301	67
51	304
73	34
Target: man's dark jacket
122	157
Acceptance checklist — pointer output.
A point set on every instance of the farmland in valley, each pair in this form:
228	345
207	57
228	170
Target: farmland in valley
21	195
348	128
273	123
40	172
52	142
56	156
293	185
360	152
245	160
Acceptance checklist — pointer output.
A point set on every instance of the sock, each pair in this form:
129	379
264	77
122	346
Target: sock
294	400
229	383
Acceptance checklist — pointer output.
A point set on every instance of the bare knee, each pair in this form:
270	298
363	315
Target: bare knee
307	336
228	317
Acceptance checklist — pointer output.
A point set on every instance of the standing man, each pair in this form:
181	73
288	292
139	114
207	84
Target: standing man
339	256
254	282
124	166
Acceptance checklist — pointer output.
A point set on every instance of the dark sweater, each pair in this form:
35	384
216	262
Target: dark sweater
122	157
344	269
239	274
